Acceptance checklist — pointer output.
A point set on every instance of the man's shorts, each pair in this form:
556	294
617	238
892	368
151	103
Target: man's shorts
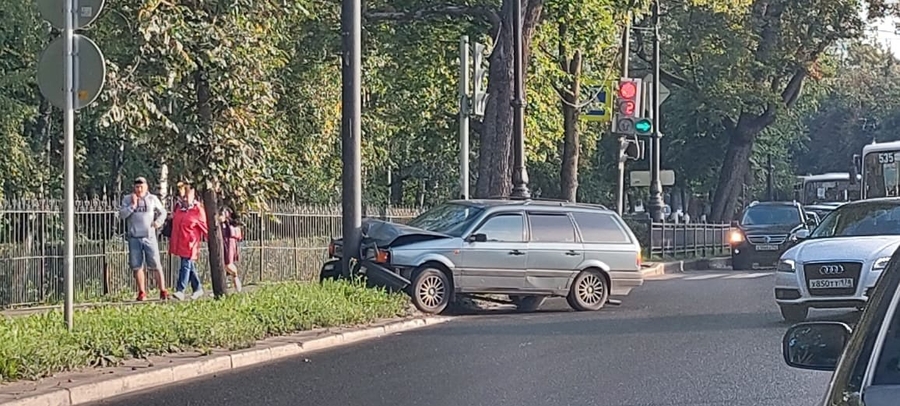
143	252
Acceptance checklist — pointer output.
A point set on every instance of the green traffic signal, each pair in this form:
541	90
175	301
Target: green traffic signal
643	126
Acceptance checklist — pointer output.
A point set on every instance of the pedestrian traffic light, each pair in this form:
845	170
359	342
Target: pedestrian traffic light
627	106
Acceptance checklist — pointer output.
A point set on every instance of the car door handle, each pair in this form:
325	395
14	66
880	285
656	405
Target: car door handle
516	252
571	253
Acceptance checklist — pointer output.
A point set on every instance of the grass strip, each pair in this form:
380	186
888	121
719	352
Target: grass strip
37	346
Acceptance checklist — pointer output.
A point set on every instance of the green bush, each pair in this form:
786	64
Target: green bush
37	346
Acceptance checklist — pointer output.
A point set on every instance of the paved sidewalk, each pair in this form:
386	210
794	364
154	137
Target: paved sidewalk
24	311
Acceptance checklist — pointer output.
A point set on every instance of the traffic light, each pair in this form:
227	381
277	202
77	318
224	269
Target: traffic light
643	126
631	149
628	103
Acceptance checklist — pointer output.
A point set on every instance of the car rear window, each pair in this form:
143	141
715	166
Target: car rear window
600	228
551	227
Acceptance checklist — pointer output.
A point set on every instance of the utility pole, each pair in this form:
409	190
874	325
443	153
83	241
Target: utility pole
626	50
770	179
464	117
351	133
656	201
520	174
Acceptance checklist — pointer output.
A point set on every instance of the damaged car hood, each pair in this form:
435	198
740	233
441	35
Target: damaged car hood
386	234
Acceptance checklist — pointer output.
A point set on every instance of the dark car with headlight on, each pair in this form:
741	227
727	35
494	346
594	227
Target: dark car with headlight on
765	231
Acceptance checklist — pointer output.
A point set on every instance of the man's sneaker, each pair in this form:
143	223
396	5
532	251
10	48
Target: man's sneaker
237	284
141	296
197	294
163	295
179	295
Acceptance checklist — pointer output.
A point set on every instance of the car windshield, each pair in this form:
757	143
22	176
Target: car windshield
771	215
881	218
449	218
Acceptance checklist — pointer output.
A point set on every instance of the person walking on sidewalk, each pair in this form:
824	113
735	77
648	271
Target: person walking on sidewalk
188	231
231	235
144	214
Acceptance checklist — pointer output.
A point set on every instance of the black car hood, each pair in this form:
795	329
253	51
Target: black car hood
385	234
771	228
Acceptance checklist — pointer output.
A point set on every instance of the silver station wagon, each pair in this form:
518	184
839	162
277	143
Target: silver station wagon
527	250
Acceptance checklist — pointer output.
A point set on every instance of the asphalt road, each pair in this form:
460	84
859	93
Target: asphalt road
703	338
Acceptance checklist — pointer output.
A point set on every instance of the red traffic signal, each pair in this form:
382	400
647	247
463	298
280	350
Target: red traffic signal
627	89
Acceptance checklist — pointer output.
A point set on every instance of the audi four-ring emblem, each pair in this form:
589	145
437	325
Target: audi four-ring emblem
831	269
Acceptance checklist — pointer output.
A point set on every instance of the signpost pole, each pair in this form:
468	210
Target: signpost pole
69	130
351	132
656	198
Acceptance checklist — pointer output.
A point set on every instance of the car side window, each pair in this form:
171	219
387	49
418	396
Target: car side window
551	227
504	228
600	228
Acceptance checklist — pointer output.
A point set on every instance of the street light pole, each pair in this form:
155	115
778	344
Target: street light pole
656	200
520	174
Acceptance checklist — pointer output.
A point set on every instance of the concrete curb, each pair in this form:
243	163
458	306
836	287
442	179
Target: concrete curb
662	268
95	391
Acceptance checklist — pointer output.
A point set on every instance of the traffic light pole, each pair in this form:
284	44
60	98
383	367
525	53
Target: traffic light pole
464	117
520	174
656	200
626	50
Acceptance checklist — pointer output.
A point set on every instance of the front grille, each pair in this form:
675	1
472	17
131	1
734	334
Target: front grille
767	239
851	270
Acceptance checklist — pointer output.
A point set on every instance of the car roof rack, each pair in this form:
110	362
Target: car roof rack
561	202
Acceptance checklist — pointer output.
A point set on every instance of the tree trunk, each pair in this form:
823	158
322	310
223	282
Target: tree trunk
568	173
494	168
210	197
735	166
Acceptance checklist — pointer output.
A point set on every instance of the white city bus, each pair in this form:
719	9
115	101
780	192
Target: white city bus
825	188
879	167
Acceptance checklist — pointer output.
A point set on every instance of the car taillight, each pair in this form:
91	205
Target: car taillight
331	249
638	260
382	256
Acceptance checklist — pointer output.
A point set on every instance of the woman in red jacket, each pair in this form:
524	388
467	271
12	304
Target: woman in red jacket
188	231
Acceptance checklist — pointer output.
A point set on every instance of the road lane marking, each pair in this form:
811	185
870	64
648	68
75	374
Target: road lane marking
749	275
704	277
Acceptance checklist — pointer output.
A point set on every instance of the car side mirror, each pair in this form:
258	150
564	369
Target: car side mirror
800	234
477	238
815	346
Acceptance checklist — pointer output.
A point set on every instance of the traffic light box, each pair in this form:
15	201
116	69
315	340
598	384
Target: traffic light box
627	119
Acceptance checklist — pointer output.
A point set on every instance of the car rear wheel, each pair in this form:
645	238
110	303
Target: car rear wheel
430	290
589	291
794	313
527	303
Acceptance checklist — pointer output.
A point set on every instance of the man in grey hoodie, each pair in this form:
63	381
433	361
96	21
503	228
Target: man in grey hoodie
144	214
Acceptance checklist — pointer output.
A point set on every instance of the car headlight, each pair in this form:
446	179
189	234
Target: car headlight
735	237
881	263
786	265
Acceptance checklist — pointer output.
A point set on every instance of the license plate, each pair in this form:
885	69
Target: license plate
831	283
767	247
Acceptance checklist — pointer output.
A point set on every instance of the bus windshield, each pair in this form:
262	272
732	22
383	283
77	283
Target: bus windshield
881	175
826	191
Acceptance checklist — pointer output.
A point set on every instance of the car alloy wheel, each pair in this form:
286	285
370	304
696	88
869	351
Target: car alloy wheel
589	291
431	291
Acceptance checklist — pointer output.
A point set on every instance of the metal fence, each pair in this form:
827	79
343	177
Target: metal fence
685	240
286	242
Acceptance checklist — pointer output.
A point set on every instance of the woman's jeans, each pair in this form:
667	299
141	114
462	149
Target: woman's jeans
187	271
